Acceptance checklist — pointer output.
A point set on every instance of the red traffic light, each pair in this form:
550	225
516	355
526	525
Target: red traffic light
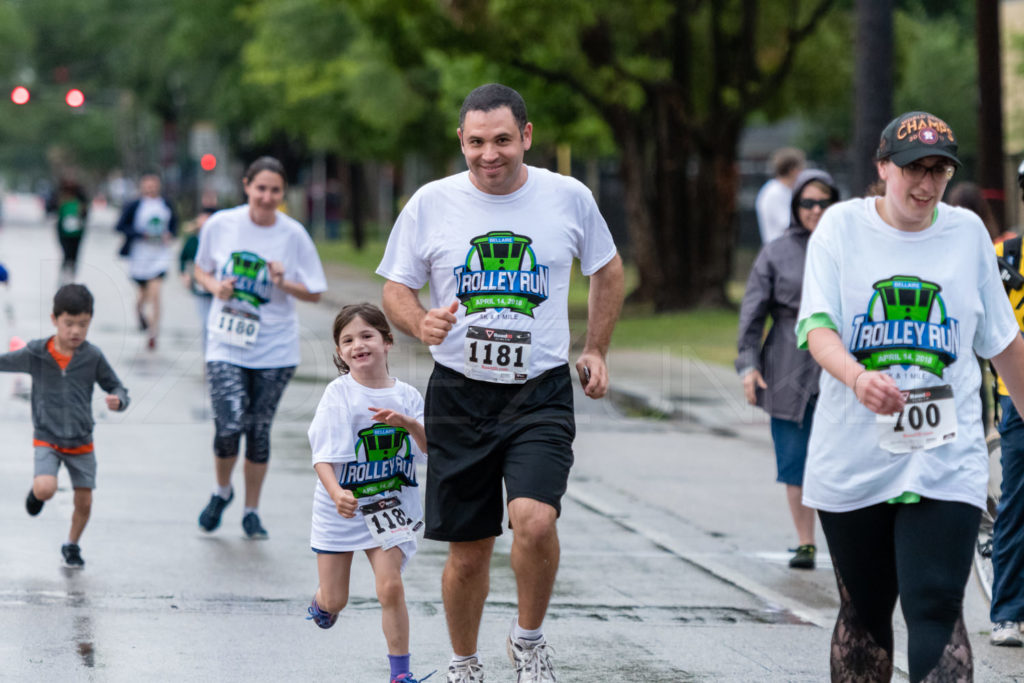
208	162
74	98
20	95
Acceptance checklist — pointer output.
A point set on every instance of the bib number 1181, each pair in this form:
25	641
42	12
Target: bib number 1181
503	354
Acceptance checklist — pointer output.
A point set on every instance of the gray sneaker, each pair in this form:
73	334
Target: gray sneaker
532	659
465	671
1006	633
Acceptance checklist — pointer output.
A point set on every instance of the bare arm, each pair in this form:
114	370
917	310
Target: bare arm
875	390
295	289
403	308
397	419
1009	363
344	501
222	289
603	307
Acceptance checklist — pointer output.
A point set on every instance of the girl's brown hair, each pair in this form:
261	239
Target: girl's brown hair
369	314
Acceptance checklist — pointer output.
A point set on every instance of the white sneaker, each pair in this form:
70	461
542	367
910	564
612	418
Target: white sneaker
1006	633
532	659
465	671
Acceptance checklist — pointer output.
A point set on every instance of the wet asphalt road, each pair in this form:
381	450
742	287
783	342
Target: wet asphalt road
673	539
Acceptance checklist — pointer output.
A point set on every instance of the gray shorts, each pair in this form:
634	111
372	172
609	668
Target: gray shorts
82	468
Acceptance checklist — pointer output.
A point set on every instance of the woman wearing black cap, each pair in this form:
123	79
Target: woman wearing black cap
898	291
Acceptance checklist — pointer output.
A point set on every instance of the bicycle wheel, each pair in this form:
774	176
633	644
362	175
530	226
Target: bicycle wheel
983	547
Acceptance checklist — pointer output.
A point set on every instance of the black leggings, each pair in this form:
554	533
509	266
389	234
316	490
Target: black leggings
920	553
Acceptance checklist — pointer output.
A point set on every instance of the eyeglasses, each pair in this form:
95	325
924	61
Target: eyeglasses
940	172
811	203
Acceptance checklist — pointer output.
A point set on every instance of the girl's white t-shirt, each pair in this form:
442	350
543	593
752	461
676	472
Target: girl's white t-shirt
918	305
341	432
231	245
506	258
151	250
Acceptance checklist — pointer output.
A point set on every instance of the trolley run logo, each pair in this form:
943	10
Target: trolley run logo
501	272
388	463
252	277
906	324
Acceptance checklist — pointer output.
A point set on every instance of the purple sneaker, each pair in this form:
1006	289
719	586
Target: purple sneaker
320	617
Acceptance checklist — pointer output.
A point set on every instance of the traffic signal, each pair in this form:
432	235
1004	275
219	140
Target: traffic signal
20	95
74	98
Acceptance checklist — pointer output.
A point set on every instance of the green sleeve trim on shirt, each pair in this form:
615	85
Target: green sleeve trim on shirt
905	497
815	321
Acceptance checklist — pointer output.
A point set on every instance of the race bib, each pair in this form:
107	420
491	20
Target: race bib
497	355
72	223
928	420
387	522
236	327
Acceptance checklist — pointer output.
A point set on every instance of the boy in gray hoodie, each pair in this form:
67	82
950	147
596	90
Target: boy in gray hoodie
64	368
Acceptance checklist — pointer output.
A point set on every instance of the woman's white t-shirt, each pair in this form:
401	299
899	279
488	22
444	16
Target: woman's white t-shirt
919	306
231	245
339	435
151	250
505	258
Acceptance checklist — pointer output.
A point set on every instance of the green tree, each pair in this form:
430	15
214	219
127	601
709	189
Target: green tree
674	89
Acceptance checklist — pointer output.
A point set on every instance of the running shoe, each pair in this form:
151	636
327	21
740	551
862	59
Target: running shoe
1006	634
252	527
465	671
209	518
407	677
532	659
321	618
804	558
151	343
72	556
32	504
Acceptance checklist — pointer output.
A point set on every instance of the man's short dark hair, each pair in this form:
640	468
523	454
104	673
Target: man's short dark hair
72	299
494	96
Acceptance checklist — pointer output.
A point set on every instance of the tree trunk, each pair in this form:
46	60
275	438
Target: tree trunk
680	215
873	85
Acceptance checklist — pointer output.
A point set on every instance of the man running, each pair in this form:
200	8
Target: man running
496	244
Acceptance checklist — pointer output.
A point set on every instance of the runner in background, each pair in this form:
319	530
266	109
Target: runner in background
1007	608
149	225
71	207
256	262
186	267
777	375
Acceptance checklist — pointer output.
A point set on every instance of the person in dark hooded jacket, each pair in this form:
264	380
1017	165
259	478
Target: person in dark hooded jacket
777	376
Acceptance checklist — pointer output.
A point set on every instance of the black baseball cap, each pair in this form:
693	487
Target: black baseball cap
916	135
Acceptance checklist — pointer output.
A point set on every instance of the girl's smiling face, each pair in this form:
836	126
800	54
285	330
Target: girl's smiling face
363	349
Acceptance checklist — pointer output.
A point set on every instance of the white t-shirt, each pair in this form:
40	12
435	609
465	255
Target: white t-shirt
506	258
231	245
343	432
774	209
151	250
917	305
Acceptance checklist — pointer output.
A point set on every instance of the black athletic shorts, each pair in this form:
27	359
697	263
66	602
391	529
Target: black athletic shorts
480	434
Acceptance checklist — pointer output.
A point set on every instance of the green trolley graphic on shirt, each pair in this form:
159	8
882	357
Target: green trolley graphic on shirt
252	277
906	324
501	272
388	464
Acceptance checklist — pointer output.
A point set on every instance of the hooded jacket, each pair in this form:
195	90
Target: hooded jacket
773	289
62	399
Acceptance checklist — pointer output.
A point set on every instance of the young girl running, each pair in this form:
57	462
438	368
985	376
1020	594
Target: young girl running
366	438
